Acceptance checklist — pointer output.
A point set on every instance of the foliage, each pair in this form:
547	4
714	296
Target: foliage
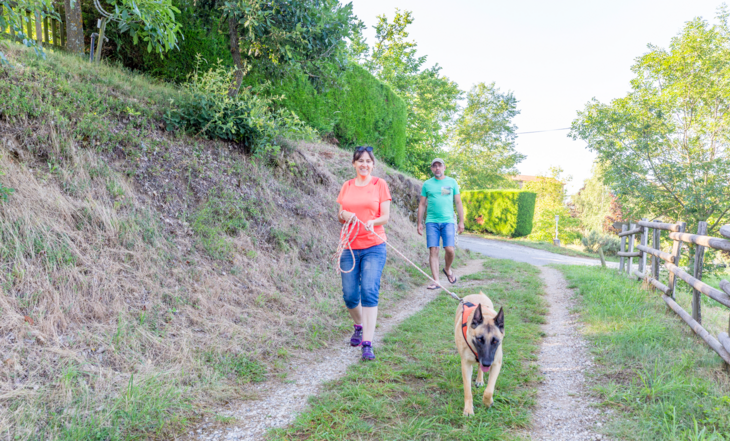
503	212
430	97
551	202
362	110
483	139
14	17
199	32
664	146
609	243
5	191
281	36
596	206
246	119
152	21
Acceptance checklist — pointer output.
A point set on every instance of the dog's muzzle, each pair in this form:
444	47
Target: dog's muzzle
484	368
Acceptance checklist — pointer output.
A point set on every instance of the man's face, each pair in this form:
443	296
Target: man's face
437	169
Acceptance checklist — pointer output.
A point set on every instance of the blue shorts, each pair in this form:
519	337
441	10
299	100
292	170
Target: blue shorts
440	232
362	284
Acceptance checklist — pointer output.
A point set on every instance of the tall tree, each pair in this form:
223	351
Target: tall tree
74	27
431	98
665	145
483	139
288	34
596	205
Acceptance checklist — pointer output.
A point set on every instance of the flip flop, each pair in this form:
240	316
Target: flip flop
450	276
433	286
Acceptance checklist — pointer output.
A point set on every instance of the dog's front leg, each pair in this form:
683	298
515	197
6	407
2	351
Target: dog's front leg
466	370
488	398
480	378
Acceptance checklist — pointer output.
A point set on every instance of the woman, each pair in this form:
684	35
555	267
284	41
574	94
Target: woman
368	198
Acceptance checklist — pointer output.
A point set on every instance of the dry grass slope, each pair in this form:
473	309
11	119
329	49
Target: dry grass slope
147	276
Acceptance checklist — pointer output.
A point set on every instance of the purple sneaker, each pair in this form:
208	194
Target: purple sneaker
367	351
356	338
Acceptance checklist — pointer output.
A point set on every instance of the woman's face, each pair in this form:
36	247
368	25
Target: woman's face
363	165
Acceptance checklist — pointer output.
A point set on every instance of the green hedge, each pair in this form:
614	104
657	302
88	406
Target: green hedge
503	212
361	110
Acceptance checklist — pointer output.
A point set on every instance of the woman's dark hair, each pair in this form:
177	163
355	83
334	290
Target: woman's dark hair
360	150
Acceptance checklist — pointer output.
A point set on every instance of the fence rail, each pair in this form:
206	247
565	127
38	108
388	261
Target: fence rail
670	261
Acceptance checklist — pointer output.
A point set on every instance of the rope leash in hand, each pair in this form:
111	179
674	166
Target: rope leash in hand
349	232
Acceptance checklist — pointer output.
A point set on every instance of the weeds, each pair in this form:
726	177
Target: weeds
663	381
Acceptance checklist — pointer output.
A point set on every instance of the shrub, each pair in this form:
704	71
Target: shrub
503	212
595	240
246	119
358	109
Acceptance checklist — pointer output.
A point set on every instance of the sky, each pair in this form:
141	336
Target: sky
555	56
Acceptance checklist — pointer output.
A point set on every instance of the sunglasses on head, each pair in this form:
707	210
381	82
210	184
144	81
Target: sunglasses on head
364	148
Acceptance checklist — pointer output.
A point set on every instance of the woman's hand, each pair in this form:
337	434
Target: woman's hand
369	225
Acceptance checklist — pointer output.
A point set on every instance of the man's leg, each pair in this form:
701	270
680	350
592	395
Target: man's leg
433	260
449	247
449	258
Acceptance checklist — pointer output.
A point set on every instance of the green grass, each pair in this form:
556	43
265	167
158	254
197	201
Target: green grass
414	391
546	246
663	380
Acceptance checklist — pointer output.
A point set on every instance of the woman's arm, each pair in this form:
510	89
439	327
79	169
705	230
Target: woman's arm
384	216
343	216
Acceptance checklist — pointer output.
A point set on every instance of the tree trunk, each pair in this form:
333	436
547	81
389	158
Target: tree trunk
74	27
236	54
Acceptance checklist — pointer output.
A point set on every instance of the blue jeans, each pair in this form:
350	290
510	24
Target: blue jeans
444	232
362	284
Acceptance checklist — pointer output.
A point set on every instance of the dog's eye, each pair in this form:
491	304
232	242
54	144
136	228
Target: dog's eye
495	341
480	339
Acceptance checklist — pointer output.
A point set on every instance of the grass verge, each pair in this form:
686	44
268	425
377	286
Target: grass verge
414	390
545	246
664	381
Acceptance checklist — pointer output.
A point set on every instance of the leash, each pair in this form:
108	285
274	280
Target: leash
346	238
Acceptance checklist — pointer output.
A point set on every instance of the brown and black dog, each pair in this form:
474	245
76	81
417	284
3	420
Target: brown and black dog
478	334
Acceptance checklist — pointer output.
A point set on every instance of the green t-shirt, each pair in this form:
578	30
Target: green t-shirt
440	195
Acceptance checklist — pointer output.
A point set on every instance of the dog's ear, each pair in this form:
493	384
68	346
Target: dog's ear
478	317
499	320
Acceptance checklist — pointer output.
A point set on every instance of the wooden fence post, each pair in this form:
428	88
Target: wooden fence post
622	249
699	258
38	29
631	249
654	259
676	252
644	241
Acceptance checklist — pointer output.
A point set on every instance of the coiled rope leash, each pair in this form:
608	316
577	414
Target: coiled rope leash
351	226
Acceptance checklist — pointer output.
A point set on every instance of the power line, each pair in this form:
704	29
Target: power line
542	131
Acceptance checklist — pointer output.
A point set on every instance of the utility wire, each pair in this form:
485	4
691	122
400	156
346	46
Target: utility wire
542	131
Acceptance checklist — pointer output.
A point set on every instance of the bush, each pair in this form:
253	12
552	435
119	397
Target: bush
358	109
595	240
503	212
246	119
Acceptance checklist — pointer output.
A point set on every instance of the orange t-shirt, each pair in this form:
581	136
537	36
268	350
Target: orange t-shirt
365	203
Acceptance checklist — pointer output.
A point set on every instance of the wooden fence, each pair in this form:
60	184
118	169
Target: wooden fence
46	32
670	261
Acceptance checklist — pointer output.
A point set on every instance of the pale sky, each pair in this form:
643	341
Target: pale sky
554	55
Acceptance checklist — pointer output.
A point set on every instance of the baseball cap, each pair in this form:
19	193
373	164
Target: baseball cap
438	160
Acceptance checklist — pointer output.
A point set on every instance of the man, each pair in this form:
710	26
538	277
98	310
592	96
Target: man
439	194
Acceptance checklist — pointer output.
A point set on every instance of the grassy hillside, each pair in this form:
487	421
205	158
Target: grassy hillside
147	276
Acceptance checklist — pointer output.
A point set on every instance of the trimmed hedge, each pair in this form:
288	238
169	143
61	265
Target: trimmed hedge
361	110
503	212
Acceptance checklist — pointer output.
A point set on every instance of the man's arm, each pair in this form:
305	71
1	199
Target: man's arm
422	205
460	212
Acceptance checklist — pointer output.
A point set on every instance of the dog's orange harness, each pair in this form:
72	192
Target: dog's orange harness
468	308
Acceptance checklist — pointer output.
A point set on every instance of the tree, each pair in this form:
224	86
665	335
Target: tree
74	27
665	145
595	205
550	202
430	97
279	35
483	139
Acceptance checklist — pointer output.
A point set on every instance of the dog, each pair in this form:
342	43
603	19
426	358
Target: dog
478	334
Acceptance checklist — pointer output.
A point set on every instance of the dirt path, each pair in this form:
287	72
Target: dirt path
563	410
279	402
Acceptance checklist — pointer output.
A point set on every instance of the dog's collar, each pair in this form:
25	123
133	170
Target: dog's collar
468	308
